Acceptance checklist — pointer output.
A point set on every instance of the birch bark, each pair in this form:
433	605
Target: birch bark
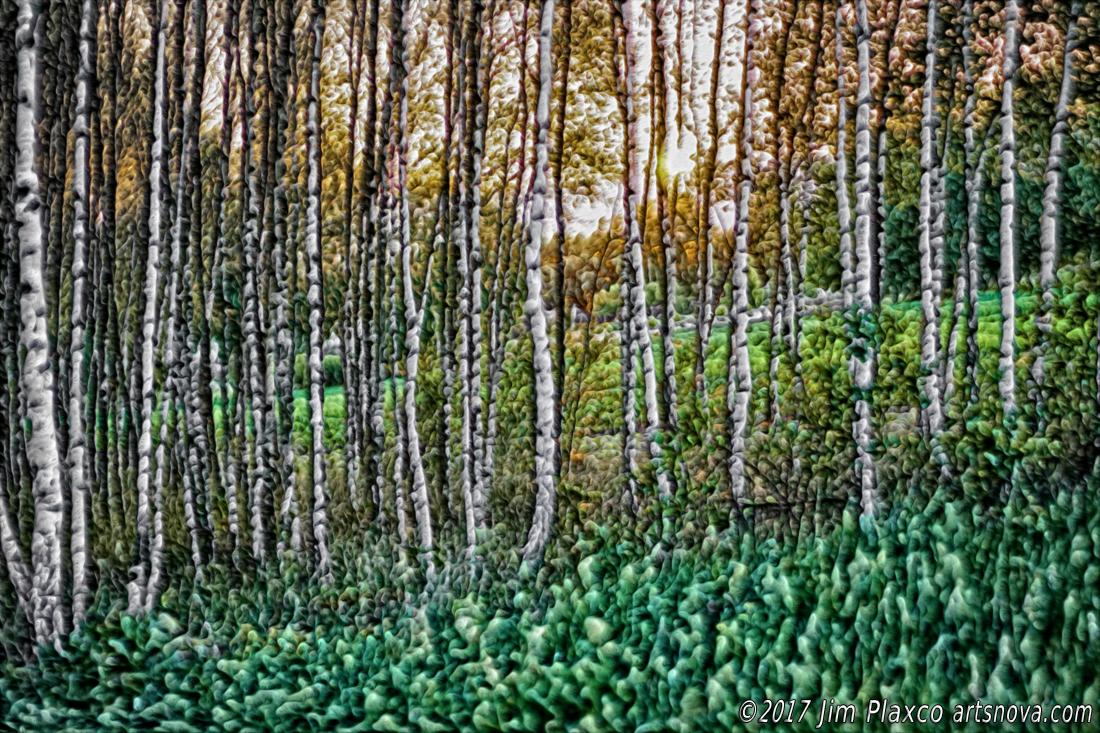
545	484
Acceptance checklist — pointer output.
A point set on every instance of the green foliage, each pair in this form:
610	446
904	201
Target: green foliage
948	601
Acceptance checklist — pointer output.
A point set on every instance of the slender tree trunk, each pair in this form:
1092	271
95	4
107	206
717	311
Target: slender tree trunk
192	379
931	240
863	341
501	304
78	483
704	254
141	591
37	372
391	224
444	243
313	296
666	217
1052	199
1006	277
284	91
545	484
559	238
252	309
844	209
15	561
739	371
369	392
637	327
349	334
893	28
413	313
219	353
973	203
628	384
473	112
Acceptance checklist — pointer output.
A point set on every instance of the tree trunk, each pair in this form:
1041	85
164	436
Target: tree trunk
142	594
973	187
545	483
1006	277
863	341
666	216
413	313
252	315
559	237
78	483
1052	199
636	329
739	370
704	254
844	208
314	298
349	331
931	240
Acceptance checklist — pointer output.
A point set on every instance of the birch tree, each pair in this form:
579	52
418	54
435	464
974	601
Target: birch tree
191	378
1052	199
78	483
843	206
470	260
704	253
739	371
19	572
284	256
636	328
252	315
666	214
413	311
350	331
863	337
973	179
545	483
559	236
37	373
314	280
141	592
1006	276
931	239
216	296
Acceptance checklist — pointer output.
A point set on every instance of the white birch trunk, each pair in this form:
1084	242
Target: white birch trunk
668	350
139	587
1006	276
545	484
863	347
414	315
391	224
958	310
931	396
844	209
880	203
739	370
78	483
1052	199
314	298
478	113
37	374
639	313
628	383
258	460
973	204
